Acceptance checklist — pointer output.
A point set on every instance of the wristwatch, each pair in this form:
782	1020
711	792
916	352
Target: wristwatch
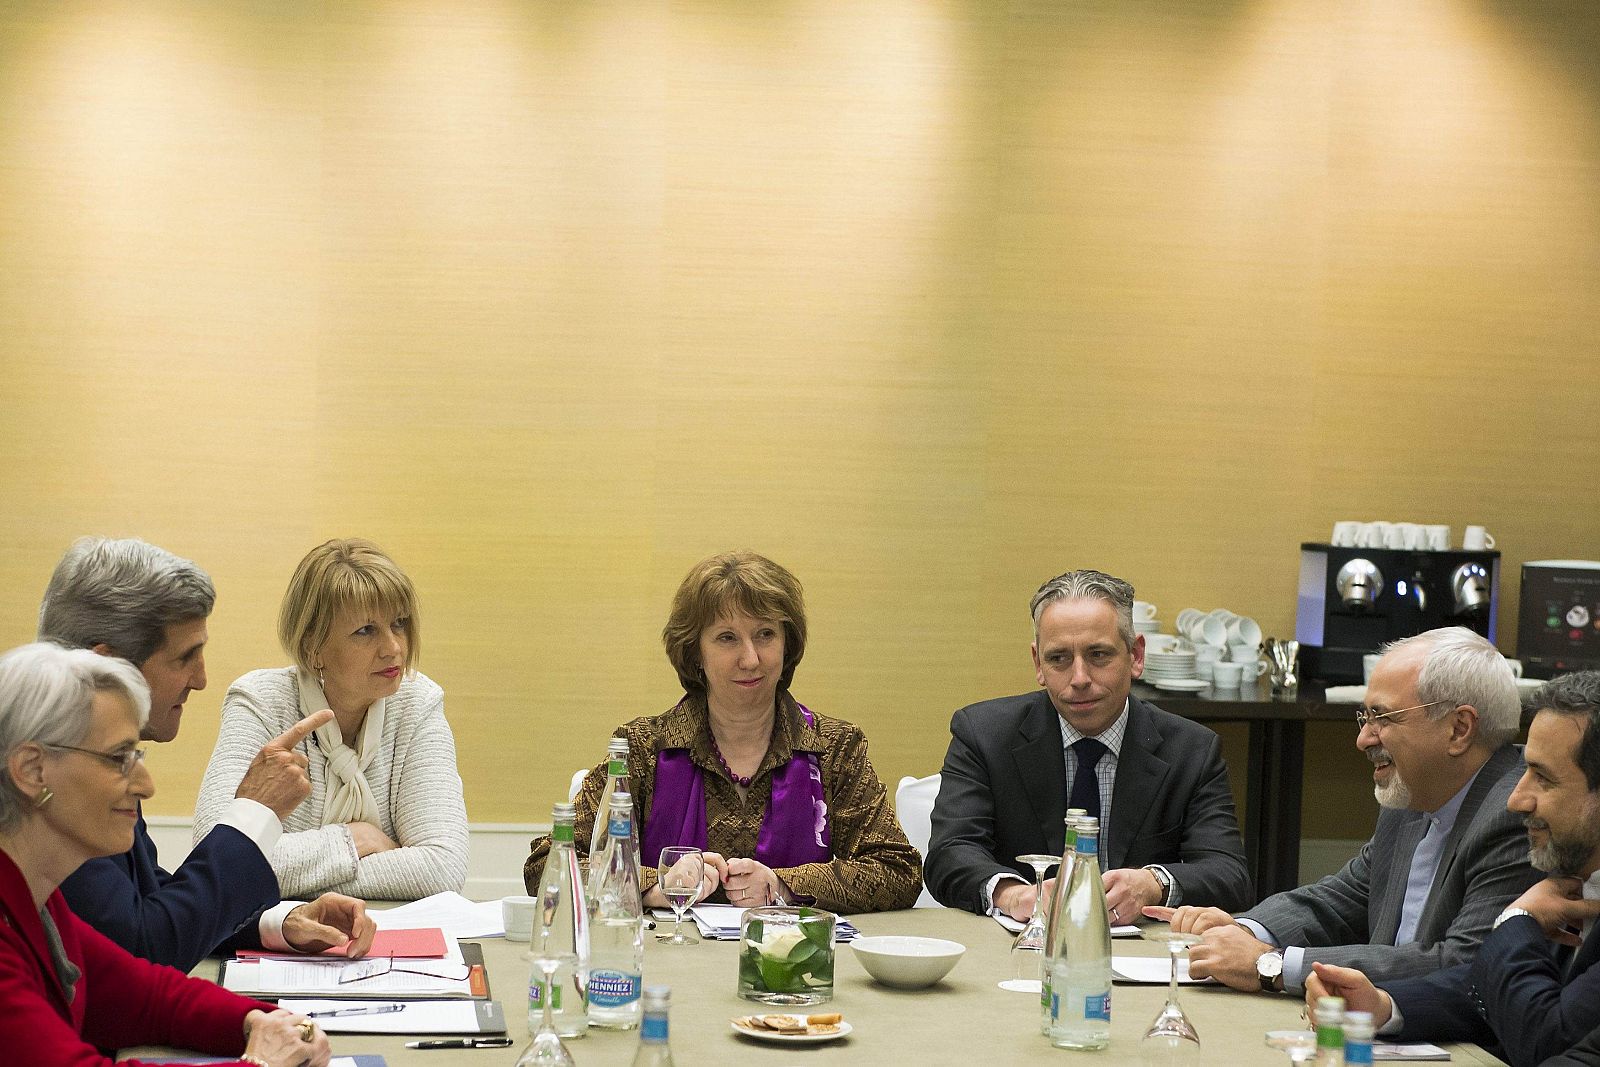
1269	968
1509	913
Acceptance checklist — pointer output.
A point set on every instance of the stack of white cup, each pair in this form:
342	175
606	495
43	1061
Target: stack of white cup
1227	646
1409	536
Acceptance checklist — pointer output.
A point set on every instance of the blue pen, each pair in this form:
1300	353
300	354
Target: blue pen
376	1009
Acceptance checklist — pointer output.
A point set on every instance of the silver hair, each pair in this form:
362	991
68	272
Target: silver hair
1087	585
47	696
1462	667
123	594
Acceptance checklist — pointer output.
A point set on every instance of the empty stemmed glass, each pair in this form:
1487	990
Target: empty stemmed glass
1171	1037
546	1049
1027	951
682	869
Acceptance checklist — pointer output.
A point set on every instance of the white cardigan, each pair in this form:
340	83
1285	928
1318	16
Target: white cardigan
413	778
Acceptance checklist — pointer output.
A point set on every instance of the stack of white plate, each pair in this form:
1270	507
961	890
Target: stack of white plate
1169	665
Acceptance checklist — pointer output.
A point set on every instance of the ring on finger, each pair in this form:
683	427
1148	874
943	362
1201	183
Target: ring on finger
308	1031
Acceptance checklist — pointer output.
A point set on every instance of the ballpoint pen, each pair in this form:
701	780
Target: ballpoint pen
463	1042
371	1009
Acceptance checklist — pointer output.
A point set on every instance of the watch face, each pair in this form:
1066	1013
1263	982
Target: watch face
1269	965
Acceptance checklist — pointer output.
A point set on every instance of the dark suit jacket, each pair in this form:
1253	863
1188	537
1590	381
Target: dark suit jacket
1350	918
180	918
1585	1053
1524	997
1003	794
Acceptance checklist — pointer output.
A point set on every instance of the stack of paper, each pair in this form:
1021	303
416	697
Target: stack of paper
458	916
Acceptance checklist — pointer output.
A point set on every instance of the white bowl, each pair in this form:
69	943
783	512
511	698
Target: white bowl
907	962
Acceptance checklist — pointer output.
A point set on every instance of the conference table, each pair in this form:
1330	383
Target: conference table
964	1019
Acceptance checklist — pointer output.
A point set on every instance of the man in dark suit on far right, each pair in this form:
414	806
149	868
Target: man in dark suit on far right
1533	991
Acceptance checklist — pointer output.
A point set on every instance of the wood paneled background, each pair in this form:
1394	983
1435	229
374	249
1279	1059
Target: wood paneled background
928	301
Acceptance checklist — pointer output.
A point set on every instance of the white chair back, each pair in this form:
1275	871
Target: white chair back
577	784
913	803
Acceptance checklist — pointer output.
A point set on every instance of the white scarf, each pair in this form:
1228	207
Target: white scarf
349	797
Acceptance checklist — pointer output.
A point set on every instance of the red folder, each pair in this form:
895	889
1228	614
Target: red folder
425	943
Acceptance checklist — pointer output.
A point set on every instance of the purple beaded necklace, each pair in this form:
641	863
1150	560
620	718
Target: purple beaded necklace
739	779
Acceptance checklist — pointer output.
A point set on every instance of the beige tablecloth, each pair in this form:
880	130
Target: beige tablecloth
966	1019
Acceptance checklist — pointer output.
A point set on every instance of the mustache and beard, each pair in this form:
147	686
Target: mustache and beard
1565	856
1394	793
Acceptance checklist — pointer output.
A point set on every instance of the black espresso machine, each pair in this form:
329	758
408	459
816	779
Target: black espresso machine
1354	600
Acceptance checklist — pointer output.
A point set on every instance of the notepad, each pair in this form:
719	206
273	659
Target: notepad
422	943
414	1016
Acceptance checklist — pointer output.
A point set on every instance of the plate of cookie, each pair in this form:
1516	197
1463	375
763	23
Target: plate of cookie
793	1029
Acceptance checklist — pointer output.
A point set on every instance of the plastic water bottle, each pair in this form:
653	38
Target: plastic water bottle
1053	925
616	782
1080	977
1358	1039
1329	1021
653	1050
616	936
561	931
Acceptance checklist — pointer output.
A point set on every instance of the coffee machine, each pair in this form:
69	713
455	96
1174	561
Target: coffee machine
1352	601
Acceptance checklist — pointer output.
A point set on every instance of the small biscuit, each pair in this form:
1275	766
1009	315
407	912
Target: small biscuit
823	1020
823	1028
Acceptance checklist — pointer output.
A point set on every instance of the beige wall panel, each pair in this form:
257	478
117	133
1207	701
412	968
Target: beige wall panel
927	301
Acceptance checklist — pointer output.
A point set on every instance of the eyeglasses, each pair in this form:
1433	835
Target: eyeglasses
123	761
1366	717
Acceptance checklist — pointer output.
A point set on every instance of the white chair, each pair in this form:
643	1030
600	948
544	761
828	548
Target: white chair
913	803
577	784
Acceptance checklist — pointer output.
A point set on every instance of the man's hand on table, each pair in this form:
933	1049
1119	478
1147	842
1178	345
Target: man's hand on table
329	921
1326	980
1129	890
1017	898
1226	951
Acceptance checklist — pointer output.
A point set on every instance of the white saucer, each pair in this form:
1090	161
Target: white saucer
792	1039
1181	685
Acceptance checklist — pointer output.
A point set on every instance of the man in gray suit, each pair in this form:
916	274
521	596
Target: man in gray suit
1016	764
1440	716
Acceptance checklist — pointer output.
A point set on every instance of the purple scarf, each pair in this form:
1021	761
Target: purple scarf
794	830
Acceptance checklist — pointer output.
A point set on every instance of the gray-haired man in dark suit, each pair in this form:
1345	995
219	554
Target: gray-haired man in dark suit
1440	715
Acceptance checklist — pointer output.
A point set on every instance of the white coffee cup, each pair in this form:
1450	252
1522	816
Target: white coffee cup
1374	534
1143	611
1244	631
1409	534
1345	533
1225	675
1515	665
1437	538
1207	630
1208	654
1369	661
1477	539
1186	616
518	913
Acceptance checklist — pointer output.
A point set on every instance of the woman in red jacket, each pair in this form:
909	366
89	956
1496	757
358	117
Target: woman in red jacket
70	788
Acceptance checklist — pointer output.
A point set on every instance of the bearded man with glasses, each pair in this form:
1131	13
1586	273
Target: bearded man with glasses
1534	989
1440	715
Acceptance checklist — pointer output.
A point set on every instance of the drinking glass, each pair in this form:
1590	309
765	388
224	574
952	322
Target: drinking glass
682	869
1027	951
546	1049
1171	1037
1301	1045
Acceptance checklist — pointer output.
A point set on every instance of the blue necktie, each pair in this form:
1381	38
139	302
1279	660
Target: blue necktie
1085	784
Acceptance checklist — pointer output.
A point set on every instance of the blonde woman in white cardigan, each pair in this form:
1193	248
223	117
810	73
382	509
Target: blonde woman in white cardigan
385	819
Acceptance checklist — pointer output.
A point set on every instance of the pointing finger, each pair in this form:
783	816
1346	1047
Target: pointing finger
301	730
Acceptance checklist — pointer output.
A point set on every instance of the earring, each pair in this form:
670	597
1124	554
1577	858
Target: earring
44	798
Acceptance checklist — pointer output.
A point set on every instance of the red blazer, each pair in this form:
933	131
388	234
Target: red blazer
120	1000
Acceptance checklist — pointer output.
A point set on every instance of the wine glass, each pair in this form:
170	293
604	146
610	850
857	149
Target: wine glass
1171	1037
546	1048
1027	951
682	869
1301	1045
